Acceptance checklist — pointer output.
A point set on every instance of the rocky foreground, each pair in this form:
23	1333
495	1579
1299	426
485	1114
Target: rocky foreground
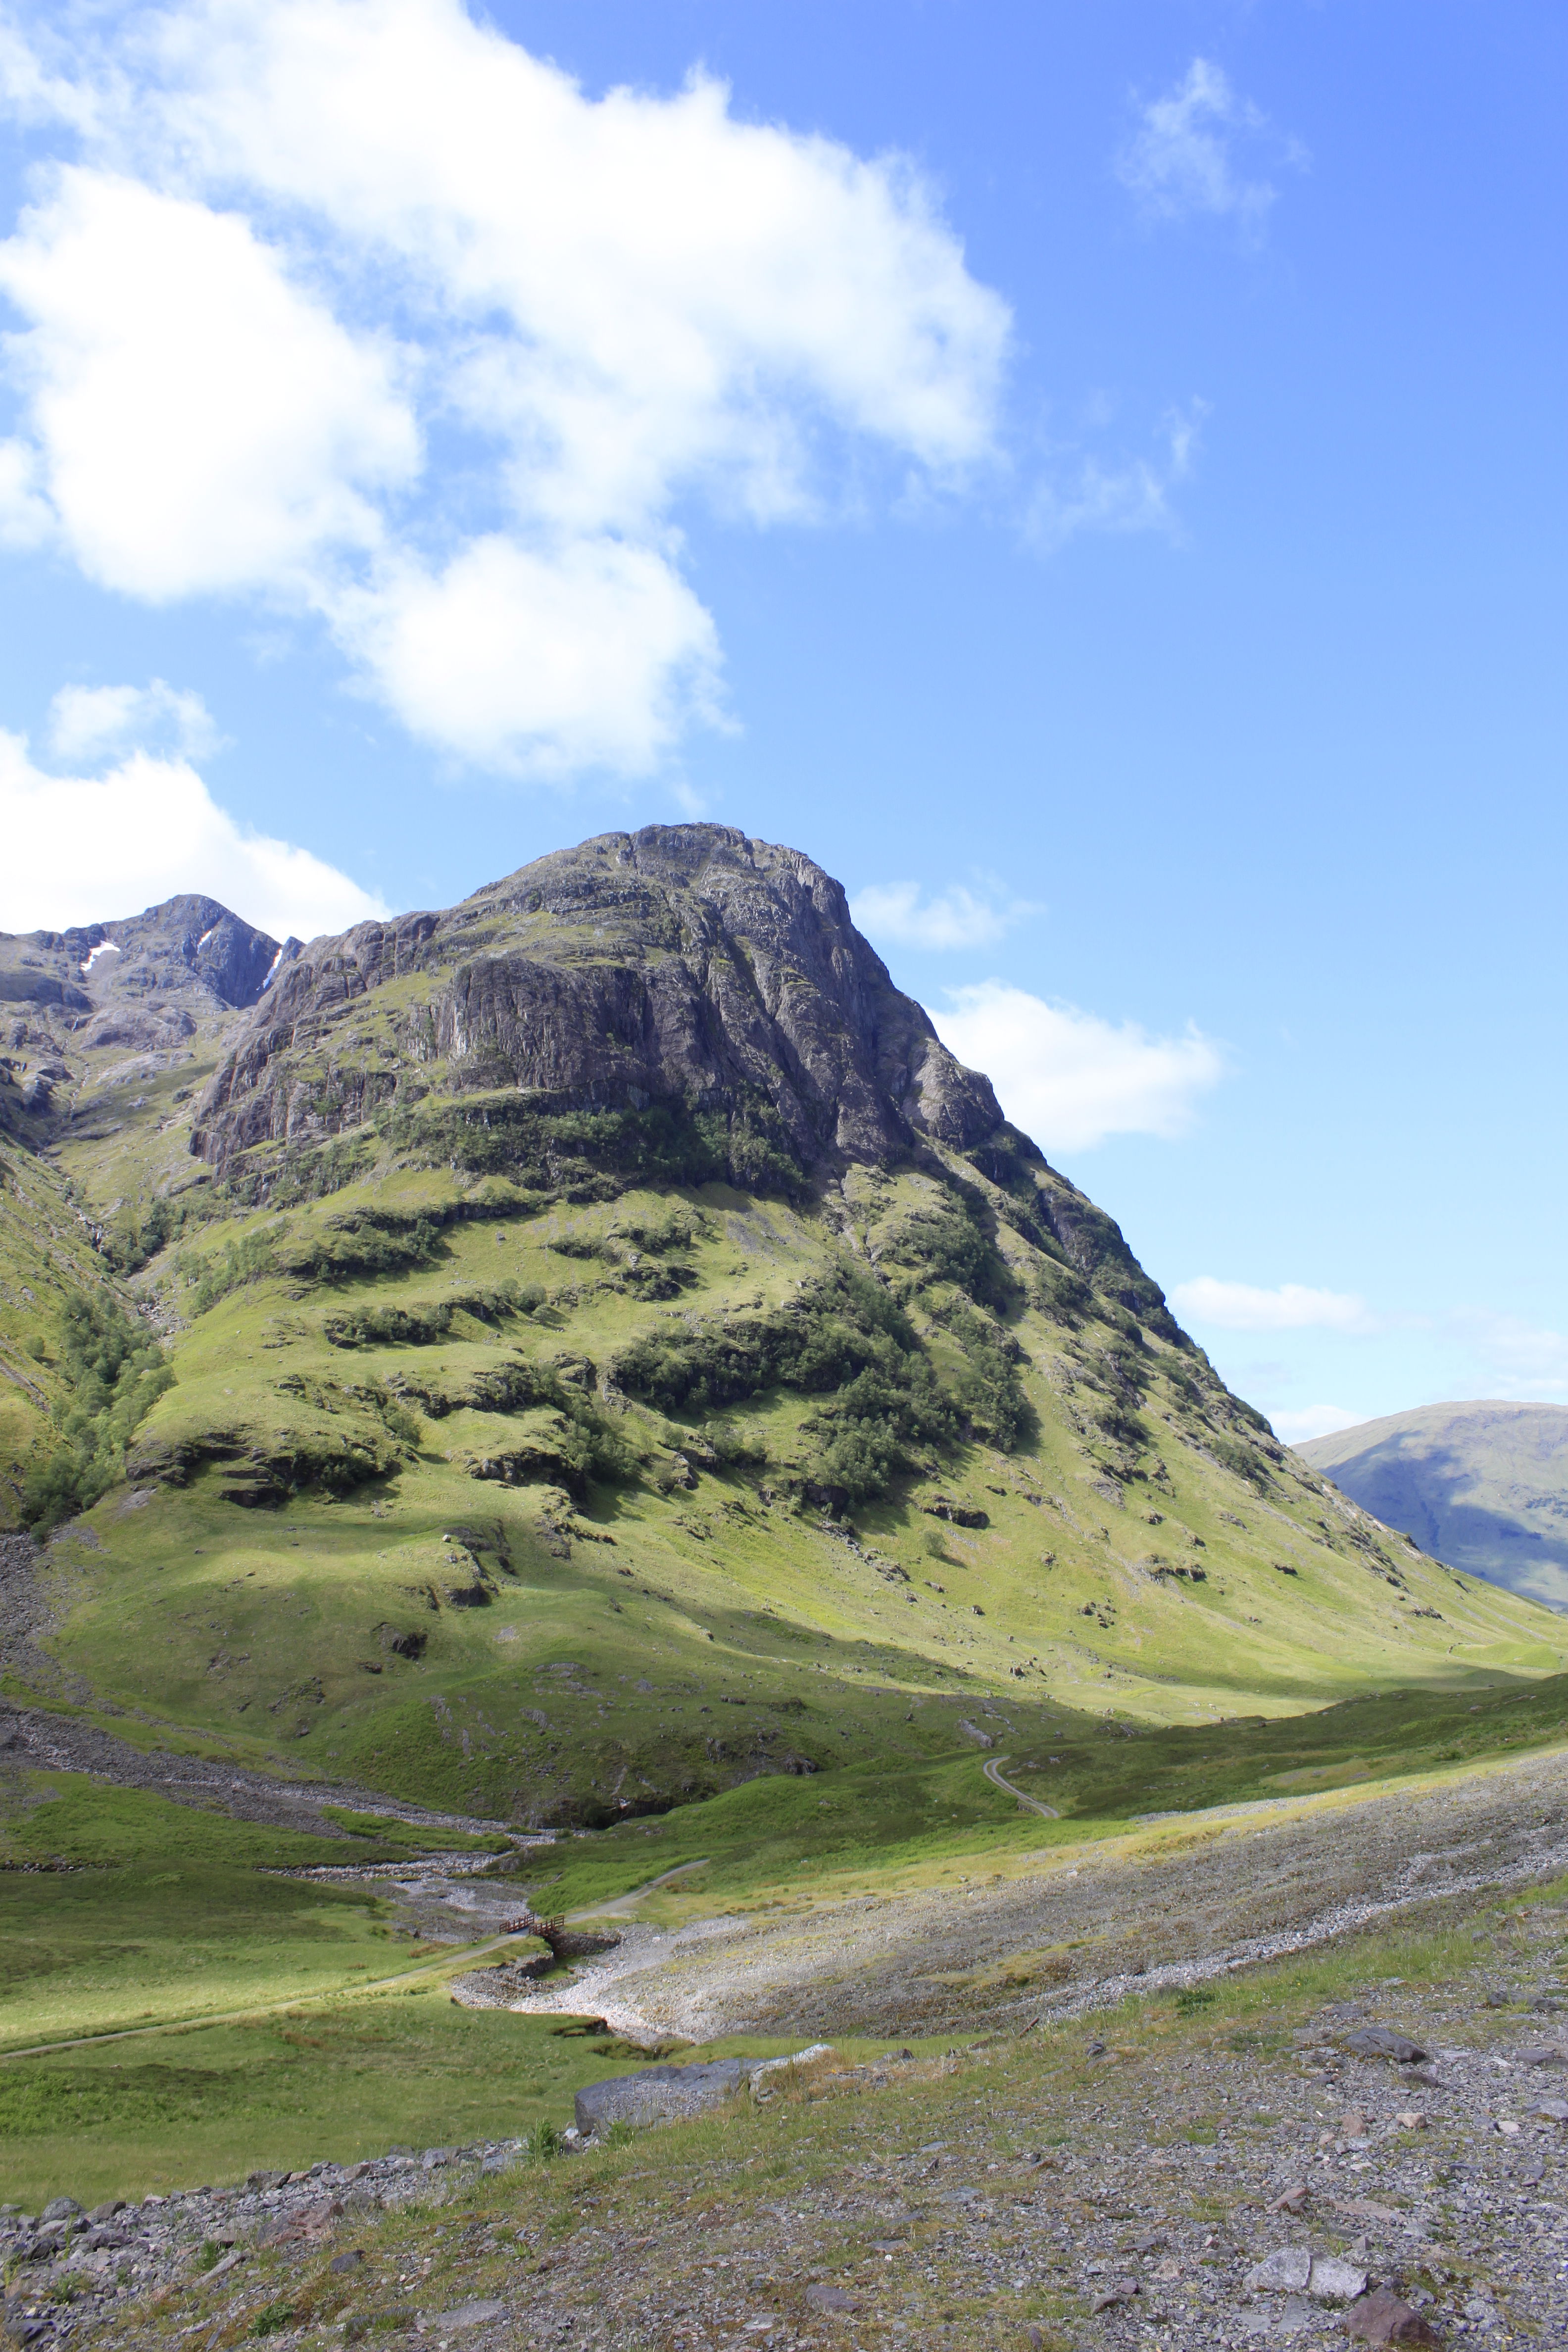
1369	2144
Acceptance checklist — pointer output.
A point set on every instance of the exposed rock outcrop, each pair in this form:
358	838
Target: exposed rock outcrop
681	964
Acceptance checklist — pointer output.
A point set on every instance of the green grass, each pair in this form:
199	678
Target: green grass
326	2081
792	1841
169	1916
163	1911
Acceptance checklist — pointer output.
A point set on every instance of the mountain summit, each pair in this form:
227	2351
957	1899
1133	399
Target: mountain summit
688	972
683	964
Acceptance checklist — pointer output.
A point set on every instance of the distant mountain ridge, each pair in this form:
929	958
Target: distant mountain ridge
1482	1485
141	983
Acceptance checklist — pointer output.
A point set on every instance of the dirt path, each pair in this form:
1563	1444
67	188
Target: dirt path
449	1960
621	1905
1179	1901
992	1768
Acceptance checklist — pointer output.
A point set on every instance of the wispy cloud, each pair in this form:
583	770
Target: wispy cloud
1523	1360
1181	160
1069	1078
1292	1307
958	917
1084	492
90	722
1310	1420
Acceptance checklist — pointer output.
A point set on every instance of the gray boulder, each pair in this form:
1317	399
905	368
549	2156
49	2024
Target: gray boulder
659	2094
1380	2042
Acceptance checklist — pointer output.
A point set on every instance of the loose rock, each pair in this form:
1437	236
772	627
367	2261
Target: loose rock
468	2314
1381	2317
830	2298
658	2095
1381	2042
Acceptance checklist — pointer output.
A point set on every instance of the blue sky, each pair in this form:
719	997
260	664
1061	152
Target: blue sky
1092	477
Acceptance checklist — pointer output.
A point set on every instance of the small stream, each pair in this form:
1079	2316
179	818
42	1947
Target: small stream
442	1898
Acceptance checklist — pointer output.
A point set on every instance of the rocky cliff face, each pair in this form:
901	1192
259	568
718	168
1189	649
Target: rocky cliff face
681	964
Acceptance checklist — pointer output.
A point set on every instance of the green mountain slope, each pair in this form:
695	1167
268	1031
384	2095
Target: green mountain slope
618	1353
105	1032
1482	1485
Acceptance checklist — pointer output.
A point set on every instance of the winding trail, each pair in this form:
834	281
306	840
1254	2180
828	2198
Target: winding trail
457	1959
620	1906
992	1767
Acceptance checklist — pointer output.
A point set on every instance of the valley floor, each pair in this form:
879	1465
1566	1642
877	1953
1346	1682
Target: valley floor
1075	2108
1218	2169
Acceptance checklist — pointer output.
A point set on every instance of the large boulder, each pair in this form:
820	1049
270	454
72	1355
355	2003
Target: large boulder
659	2094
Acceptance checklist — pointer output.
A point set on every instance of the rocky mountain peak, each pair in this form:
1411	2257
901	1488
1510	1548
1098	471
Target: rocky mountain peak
189	950
681	964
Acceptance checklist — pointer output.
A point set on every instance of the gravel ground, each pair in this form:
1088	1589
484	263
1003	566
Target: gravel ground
1186	1902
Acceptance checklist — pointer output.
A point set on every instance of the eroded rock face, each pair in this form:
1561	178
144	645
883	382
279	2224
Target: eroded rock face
681	963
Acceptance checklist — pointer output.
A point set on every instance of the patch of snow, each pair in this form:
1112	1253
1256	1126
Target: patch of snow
272	968
205	938
104	947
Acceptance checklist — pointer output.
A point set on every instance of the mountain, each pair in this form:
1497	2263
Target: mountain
591	1347
1483	1486
142	984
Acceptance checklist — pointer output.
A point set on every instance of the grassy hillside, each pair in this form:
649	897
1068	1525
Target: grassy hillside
415	1527
565	1455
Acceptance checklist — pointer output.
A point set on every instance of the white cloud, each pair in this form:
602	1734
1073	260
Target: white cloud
955	918
83	849
1293	1307
1069	1078
1311	1421
200	423
93	723
620	653
1179	161
356	305
1086	493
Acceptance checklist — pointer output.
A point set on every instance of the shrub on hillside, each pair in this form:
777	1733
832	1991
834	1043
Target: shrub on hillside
419	1326
847	1340
117	1375
248	1259
591	1154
